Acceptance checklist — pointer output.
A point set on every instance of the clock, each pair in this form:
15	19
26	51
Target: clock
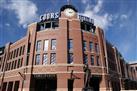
69	12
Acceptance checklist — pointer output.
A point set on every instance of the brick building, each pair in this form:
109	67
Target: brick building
64	52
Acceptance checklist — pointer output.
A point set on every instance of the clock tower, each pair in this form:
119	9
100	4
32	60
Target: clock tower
68	11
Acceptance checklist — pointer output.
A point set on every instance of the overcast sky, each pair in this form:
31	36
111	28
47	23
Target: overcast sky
118	19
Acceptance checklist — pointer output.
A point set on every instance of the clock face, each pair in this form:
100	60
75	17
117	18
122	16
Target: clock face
69	12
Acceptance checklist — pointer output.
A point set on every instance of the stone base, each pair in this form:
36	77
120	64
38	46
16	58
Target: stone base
105	89
66	89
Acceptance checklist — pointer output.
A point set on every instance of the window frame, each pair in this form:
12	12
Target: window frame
45	55
47	45
92	59
70	44
70	59
53	41
37	59
85	59
84	45
38	45
53	60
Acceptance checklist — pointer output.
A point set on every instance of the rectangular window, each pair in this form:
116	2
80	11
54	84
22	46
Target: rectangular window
84	45
85	59
21	62
92	30
83	26
11	55
70	44
29	46
14	53
53	58
27	61
38	46
88	27
48	25
37	59
23	50
17	52
18	65
97	60
70	58
92	60
15	64
12	65
46	43
97	48
55	24
45	59
53	44
9	66
91	46
20	51
42	26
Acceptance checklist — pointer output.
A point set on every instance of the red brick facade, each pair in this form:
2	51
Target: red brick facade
25	63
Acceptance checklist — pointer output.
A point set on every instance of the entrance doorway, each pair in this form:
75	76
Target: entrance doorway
94	83
70	84
45	83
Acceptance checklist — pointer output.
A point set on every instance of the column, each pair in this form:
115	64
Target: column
13	86
62	82
7	86
105	84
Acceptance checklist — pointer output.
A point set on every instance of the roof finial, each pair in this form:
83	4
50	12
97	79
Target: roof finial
68	2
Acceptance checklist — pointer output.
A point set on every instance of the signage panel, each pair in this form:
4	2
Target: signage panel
53	16
39	76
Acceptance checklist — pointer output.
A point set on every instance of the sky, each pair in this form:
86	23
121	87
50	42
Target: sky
118	19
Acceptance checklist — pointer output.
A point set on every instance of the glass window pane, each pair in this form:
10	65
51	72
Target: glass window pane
53	44
91	46
53	58
85	59
84	45
97	60
88	27
18	63
12	65
42	26
24	49
17	52
20	51
45	59
55	24
48	25
15	64
37	59
70	58
9	66
46	43
70	44
97	48
14	53
38	46
83	26
92	60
